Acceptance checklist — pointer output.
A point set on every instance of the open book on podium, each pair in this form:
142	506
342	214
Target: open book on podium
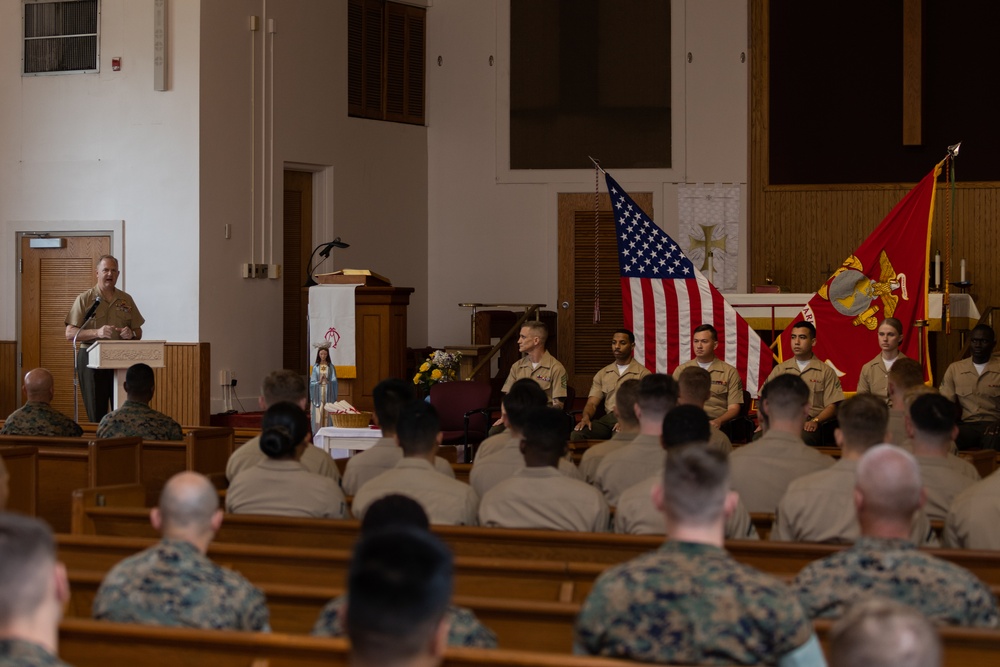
353	277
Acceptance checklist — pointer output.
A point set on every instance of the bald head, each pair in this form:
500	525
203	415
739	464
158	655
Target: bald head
884	633
188	505
38	386
888	485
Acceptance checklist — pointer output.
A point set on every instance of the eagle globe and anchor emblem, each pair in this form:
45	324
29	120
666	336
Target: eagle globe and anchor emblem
853	294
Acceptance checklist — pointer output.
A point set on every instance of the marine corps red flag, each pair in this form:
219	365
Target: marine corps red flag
885	277
664	297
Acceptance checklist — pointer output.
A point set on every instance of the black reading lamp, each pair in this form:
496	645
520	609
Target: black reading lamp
324	250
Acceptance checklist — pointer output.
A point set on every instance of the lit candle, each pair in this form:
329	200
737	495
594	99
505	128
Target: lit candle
962	272
937	270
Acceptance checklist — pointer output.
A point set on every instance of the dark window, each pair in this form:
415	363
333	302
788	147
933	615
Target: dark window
590	77
385	61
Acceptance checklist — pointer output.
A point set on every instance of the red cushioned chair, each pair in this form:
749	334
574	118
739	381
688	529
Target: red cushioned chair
460	406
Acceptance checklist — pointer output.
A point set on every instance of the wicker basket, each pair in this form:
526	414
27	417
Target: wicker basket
351	420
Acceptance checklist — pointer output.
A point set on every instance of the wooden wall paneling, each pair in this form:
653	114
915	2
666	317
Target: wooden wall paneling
10	384
796	232
183	387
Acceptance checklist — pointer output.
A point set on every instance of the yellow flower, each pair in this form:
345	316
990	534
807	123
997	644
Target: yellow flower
416	379
436	374
425	367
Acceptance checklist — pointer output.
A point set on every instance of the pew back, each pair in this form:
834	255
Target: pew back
204	449
21	463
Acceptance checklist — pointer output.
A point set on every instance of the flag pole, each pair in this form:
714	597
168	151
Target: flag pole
949	176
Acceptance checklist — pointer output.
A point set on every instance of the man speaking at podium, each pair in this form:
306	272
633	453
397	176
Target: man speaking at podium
103	312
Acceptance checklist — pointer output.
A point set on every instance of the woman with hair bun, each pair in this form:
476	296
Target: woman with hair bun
280	485
874	377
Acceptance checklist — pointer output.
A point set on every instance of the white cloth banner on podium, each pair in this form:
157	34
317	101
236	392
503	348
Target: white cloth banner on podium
332	317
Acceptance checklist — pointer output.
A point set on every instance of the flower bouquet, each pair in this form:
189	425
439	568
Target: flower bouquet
440	366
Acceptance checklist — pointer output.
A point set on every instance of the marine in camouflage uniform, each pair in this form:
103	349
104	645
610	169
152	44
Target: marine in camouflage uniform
895	569
134	418
464	628
689	603
174	584
20	653
38	418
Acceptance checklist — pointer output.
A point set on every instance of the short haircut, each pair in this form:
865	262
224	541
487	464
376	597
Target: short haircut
389	396
657	395
894	323
545	433
284	385
399	586
878	632
863	420
627	332
916	391
394	510
695	484
933	415
105	257
889	479
284	426
140	380
524	395
685	425
27	556
906	373
706	327
802	324
188	500
985	328
695	383
418	427
785	395
625	397
540	328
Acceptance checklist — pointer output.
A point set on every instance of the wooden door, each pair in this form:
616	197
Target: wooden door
51	278
297	235
585	347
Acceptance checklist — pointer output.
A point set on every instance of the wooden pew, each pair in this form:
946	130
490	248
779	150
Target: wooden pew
242	435
544	581
519	624
204	449
21	463
88	643
66	464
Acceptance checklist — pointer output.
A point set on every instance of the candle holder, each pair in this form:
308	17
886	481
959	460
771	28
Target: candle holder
963	285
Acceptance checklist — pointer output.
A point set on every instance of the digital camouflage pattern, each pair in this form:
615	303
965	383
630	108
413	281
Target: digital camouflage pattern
37	418
20	653
690	603
134	419
895	569
174	584
465	629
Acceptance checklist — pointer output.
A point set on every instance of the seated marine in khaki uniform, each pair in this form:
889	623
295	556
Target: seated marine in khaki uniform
628	428
974	383
606	383
931	424
695	386
725	397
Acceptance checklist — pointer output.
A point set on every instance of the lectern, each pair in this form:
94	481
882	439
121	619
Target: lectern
120	354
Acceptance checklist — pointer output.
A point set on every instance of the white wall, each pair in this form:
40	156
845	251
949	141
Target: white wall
92	148
376	173
492	232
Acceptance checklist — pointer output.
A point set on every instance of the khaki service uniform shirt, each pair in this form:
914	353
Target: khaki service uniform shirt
446	501
247	455
979	395
897	427
549	374
119	312
874	377
546	499
824	385
629	465
761	471
974	516
595	454
607	380
820	508
503	463
285	488
942	483
380	457
727	387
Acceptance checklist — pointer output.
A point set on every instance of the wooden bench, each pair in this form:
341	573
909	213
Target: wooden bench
203	449
66	464
21	463
88	643
528	625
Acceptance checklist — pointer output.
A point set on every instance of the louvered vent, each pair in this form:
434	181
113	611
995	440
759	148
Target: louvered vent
61	37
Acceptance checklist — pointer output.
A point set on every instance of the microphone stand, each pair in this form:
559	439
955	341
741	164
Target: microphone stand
325	254
76	369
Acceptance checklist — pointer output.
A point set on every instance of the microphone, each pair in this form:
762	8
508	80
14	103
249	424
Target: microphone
336	243
91	310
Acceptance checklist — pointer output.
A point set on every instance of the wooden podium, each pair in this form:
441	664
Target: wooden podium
120	354
380	335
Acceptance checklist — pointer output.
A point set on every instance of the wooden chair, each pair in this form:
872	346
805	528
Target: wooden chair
460	405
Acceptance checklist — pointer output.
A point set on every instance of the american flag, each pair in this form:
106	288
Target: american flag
665	297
